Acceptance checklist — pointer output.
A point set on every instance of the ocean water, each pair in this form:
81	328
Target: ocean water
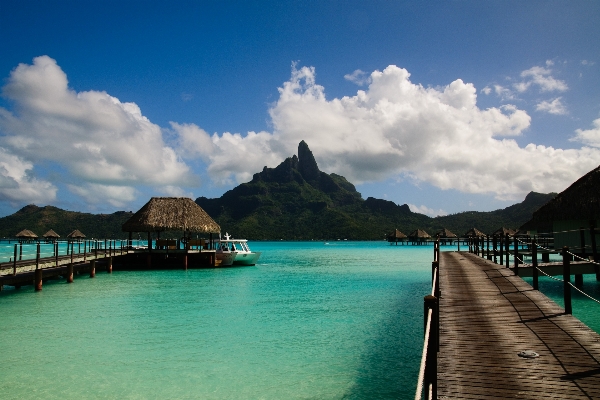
311	320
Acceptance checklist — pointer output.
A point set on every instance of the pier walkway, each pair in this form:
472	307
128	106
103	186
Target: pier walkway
487	316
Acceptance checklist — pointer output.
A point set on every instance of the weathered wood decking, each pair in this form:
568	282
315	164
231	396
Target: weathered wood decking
488	316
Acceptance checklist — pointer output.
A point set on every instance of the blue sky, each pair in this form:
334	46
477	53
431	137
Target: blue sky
446	106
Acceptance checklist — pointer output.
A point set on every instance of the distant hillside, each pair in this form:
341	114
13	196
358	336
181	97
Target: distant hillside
297	201
294	201
41	219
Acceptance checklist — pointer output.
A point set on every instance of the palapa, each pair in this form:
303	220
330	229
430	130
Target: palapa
504	231
26	234
171	214
396	235
51	234
445	234
76	234
474	232
419	234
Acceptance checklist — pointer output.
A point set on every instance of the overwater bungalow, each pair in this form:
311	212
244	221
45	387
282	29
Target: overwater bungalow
51	236
179	214
474	233
76	234
419	236
396	237
504	231
26	236
446	236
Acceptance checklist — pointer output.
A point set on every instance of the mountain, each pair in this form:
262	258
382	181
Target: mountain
297	201
41	219
294	201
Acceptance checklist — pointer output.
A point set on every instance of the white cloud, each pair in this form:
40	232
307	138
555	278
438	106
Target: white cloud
94	136
426	210
553	107
359	77
94	193
590	137
541	77
396	127
17	186
486	90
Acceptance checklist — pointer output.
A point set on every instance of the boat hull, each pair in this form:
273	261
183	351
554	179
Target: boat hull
242	258
227	259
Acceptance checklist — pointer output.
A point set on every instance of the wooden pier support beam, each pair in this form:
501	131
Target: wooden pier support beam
109	267
70	273
93	269
567	280
38	280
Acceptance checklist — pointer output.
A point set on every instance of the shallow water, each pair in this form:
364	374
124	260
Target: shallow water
310	321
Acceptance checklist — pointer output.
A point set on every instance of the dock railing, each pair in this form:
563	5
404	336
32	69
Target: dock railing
427	379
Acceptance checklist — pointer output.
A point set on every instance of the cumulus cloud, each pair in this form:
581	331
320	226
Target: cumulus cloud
553	107
541	77
94	193
590	137
18	186
427	211
359	77
398	128
99	140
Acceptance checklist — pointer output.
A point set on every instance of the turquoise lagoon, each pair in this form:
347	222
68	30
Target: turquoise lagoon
312	320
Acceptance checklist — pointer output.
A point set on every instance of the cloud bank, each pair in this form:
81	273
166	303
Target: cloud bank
398	128
105	150
107	147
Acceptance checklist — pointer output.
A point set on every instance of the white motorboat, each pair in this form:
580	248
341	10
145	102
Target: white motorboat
226	257
243	254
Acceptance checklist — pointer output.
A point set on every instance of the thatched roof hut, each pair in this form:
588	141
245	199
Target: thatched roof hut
76	234
26	234
504	231
445	234
396	235
474	232
171	214
419	234
580	201
51	234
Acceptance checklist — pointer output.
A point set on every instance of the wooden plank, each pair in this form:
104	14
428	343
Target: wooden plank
488	316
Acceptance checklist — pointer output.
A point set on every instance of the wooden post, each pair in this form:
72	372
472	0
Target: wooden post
507	249
567	280
185	260
70	273
594	250
534	271
84	250
109	267
516	256
15	261
431	302
38	280
501	237
489	257
92	268
435	265
37	257
20	251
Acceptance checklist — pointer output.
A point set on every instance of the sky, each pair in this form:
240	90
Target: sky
446	106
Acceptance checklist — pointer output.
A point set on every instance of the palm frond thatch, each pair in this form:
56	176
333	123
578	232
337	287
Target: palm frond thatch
26	234
171	214
503	231
419	234
76	234
51	234
396	235
445	234
474	232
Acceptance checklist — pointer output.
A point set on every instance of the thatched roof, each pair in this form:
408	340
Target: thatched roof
474	232
580	201
445	234
503	231
76	234
396	235
26	234
51	234
171	214
419	234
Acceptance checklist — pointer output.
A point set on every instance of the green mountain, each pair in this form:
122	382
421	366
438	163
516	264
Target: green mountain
297	201
294	201
41	219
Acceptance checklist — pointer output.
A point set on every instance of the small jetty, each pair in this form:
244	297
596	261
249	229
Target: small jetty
159	215
489	334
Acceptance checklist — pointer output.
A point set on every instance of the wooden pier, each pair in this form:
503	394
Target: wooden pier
489	319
